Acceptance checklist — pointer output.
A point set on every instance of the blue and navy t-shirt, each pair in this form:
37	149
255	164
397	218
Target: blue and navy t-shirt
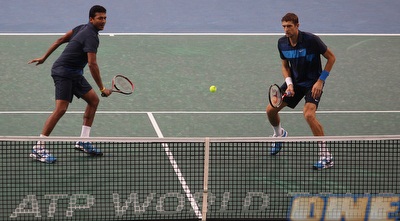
74	57
304	59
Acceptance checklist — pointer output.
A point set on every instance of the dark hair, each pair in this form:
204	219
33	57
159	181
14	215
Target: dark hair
291	17
95	9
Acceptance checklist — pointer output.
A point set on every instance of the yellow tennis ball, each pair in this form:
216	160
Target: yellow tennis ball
213	89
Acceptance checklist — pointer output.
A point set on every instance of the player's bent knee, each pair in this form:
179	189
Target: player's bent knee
309	116
272	110
91	99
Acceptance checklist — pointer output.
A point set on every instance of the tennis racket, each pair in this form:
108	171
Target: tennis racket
121	84
276	95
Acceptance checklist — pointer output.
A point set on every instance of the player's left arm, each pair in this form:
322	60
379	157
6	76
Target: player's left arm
318	86
330	60
95	71
63	39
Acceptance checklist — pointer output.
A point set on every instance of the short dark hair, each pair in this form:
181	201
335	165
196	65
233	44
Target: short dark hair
291	17
95	9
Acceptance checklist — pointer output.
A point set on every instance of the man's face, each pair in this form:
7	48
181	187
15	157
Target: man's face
99	21
289	28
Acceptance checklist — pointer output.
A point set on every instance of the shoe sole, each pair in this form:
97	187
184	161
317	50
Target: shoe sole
276	152
93	154
42	160
325	167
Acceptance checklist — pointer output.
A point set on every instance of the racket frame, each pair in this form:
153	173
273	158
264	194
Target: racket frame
281	94
116	89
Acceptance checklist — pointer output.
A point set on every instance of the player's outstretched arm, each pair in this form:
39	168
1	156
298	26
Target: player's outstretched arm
65	38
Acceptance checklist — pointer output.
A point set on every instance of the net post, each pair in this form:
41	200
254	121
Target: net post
205	179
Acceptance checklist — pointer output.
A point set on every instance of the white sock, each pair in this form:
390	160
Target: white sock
323	150
85	131
277	130
39	143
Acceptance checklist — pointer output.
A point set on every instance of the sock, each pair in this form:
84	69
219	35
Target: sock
39	143
85	131
277	130
323	151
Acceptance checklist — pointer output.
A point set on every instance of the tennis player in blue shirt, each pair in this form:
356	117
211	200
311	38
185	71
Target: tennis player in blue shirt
67	73
304	78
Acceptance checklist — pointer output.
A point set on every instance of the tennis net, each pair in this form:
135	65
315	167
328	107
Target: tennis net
200	179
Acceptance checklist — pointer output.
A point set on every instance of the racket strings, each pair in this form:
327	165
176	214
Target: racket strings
123	85
275	96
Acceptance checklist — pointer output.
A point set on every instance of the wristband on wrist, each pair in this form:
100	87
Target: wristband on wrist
103	89
288	81
324	75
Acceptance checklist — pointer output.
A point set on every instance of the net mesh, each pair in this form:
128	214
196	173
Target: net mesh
162	179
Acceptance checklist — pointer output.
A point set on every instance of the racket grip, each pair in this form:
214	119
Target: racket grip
103	95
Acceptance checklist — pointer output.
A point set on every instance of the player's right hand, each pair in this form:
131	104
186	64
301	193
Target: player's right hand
107	92
37	61
290	91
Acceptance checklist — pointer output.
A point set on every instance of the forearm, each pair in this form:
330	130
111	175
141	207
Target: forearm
65	38
287	75
52	48
330	60
285	69
329	65
286	72
95	71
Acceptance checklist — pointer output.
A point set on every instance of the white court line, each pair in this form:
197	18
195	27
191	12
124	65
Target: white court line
174	164
155	125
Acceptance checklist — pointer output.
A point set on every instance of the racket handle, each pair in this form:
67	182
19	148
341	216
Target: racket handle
103	95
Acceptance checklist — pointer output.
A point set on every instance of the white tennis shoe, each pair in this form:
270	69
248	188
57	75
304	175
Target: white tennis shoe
39	153
323	163
88	148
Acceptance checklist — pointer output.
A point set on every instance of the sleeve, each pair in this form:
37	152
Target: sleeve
280	51
76	30
91	44
320	45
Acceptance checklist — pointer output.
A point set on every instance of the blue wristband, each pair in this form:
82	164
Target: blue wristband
324	75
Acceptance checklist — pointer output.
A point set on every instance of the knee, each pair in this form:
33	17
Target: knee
60	111
91	99
270	110
93	102
309	116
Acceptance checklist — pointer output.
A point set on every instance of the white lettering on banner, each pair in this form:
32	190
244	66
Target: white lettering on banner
34	207
73	205
303	207
249	199
345	207
253	202
225	200
161	200
133	197
30	204
53	203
